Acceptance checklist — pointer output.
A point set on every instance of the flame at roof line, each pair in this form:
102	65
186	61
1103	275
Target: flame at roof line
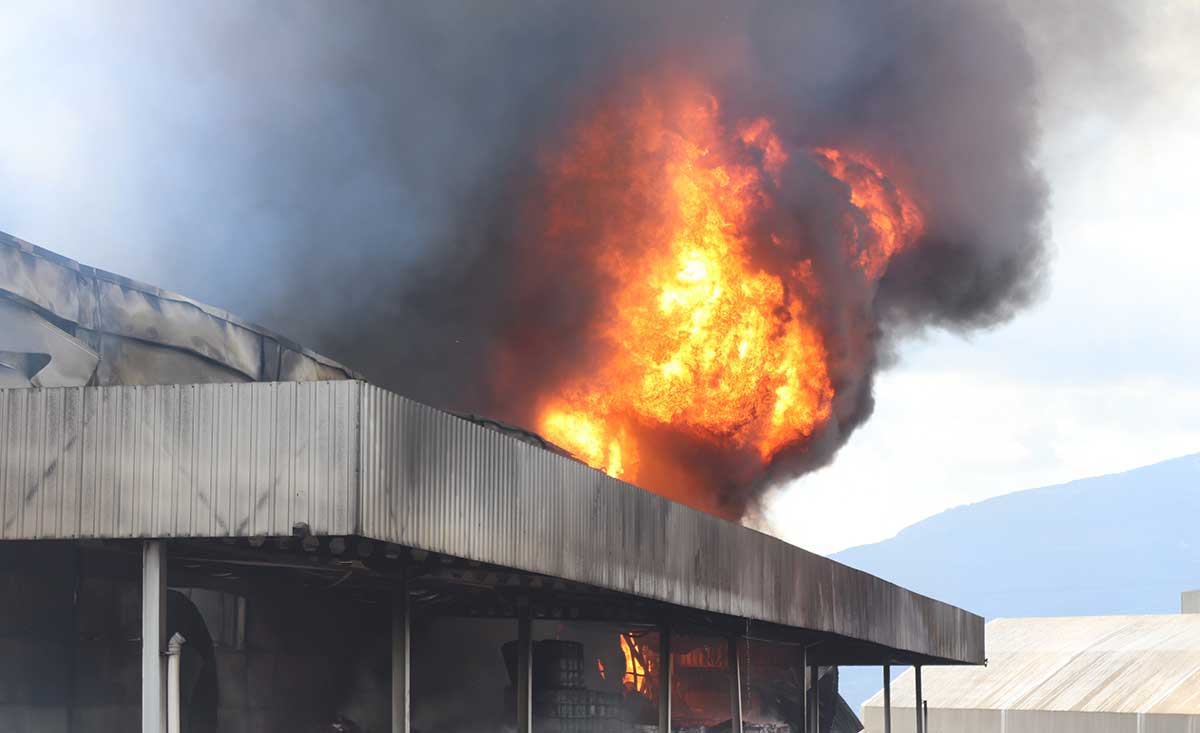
701	338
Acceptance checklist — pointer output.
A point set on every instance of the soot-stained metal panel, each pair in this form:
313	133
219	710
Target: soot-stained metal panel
343	457
433	481
207	460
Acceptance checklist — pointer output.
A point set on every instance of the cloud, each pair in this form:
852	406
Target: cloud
942	438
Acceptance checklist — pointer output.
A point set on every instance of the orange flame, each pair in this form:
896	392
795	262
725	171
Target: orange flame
893	218
636	665
700	336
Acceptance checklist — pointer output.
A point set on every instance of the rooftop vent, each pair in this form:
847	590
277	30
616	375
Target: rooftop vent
1189	601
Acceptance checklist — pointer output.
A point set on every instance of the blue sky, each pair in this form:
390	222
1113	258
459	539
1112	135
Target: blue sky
1097	377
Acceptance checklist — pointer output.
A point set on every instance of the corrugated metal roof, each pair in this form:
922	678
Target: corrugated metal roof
144	334
1111	664
350	458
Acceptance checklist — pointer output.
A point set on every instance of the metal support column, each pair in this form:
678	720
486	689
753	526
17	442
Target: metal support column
804	690
174	658
735	687
887	698
918	706
401	659
816	699
665	678
154	588
524	671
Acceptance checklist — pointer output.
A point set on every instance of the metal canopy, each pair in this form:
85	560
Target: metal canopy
348	458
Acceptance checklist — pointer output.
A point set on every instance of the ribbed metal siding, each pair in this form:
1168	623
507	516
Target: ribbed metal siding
208	460
439	483
1112	665
1028	721
904	720
348	458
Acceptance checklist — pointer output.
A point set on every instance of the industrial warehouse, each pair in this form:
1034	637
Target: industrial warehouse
1093	674
599	366
207	527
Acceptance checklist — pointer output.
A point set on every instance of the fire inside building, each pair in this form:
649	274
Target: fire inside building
207	527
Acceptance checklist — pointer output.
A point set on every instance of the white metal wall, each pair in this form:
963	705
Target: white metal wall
1029	721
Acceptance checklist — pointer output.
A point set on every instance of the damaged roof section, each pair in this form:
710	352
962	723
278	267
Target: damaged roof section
63	324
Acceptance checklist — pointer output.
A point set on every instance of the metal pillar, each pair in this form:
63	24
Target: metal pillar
920	718
174	653
735	687
401	659
925	708
804	690
665	678
154	588
524	671
887	698
816	699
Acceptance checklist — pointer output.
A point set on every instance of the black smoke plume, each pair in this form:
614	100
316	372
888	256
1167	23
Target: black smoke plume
385	156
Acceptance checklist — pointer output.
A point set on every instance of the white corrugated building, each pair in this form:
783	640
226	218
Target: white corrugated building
1090	674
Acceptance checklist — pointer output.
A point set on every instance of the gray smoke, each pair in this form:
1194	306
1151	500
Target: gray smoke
359	177
395	149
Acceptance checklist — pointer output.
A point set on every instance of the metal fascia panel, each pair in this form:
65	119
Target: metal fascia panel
434	481
219	460
206	460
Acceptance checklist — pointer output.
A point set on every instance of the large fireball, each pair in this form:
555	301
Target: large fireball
701	338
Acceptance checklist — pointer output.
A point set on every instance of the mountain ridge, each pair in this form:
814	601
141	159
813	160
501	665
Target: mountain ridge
1125	543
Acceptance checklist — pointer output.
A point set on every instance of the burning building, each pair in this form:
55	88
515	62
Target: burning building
206	525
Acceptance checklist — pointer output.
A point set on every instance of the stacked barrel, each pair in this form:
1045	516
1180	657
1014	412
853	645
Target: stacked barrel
561	701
